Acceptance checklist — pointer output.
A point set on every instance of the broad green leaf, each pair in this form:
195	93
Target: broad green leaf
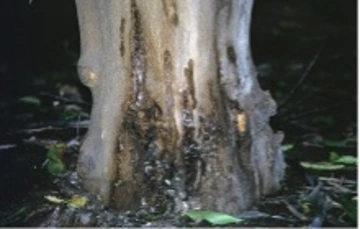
55	164
54	199
55	167
321	165
215	218
287	147
55	152
32	100
347	160
77	201
334	156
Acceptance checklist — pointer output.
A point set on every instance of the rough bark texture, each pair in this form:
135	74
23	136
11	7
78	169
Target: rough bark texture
178	115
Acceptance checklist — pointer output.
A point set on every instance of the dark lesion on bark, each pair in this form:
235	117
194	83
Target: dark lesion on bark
168	79
231	54
243	143
190	100
122	37
170	10
147	140
142	156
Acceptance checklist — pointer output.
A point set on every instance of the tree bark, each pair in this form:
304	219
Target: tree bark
178	116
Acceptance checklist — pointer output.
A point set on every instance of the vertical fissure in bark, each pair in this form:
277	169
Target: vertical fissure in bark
170	9
231	54
168	80
190	102
190	148
138	58
122	37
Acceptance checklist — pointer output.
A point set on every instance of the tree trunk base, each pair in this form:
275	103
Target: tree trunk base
178	117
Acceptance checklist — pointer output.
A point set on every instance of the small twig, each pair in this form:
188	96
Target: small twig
78	124
36	212
307	144
7	146
37	130
311	112
337	189
314	145
341	188
257	215
302	126
314	193
278	199
339	180
294	211
303	77
81	103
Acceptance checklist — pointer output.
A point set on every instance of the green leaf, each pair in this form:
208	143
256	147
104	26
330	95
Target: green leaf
287	147
55	165
31	100
215	218
324	165
56	151
334	156
346	160
77	201
54	199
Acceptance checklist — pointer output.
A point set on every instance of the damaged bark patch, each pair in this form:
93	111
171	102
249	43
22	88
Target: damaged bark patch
241	122
170	10
231	54
192	160
144	168
190	100
122	42
168	77
138	58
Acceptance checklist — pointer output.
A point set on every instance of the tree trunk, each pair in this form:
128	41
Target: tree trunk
178	116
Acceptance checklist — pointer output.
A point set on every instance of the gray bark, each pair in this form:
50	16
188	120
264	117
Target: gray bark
178	114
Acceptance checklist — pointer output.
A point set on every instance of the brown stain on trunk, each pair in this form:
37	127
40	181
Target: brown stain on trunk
189	100
170	9
168	78
122	37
